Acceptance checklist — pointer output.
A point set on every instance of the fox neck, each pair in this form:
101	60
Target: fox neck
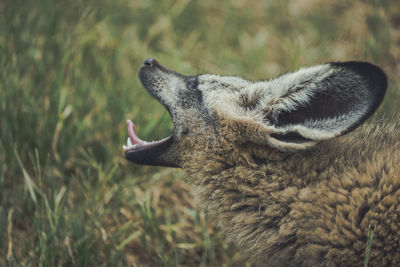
249	188
227	178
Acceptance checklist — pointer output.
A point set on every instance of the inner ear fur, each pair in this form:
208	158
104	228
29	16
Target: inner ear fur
325	101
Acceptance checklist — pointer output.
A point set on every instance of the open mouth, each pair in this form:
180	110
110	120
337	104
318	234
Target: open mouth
134	143
154	153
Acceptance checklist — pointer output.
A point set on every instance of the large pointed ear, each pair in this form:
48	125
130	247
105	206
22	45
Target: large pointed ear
321	102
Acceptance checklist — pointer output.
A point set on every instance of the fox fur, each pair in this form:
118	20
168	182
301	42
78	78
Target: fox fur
283	166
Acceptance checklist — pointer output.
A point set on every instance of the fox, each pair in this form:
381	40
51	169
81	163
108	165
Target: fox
285	166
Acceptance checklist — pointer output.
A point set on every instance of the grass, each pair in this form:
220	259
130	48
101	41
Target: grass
68	82
370	240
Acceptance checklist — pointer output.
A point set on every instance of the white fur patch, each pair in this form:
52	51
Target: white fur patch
224	95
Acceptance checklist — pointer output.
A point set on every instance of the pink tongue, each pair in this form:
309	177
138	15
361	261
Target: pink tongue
132	133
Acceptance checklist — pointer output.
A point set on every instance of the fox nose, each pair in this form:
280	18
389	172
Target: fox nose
149	62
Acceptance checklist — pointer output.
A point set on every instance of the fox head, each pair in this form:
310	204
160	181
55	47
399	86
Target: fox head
291	112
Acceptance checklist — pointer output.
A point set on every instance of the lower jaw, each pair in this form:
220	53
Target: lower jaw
155	155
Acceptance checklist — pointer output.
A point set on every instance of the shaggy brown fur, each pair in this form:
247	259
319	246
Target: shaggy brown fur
306	208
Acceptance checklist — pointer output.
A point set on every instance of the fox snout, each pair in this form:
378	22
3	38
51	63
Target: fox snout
148	73
162	83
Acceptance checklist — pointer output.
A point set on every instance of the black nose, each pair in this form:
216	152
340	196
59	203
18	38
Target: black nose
149	62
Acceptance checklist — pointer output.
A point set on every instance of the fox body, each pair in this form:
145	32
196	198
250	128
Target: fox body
282	164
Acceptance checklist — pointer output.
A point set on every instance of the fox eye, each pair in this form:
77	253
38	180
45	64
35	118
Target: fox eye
192	83
185	131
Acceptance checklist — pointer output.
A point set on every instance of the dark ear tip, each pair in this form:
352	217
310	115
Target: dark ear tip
375	76
375	79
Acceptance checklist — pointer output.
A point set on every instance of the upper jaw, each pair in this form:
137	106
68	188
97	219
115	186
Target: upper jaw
152	75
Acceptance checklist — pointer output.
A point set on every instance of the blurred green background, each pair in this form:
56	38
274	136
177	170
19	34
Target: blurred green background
68	82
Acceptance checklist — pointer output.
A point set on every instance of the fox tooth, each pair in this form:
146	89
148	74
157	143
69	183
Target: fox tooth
129	142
